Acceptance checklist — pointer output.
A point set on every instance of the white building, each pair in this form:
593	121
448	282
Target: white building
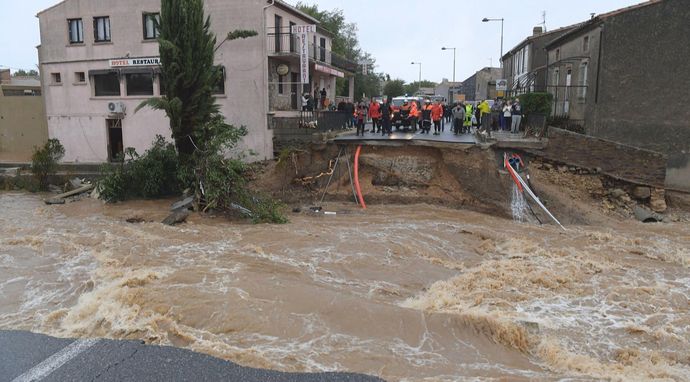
99	61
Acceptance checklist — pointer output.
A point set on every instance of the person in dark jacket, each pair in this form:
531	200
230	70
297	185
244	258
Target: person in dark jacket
386	112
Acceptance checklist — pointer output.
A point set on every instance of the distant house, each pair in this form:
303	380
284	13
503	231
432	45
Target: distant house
450	90
100	59
524	66
623	76
482	84
18	86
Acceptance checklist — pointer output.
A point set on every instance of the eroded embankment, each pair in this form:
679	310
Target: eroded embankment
468	177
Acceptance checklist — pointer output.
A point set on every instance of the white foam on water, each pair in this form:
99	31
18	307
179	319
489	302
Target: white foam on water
518	204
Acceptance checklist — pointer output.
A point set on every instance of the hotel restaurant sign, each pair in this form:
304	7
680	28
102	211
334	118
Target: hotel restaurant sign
127	62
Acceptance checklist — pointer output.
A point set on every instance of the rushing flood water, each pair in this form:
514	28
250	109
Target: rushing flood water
403	292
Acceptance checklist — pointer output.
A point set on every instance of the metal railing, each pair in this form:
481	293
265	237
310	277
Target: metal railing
323	120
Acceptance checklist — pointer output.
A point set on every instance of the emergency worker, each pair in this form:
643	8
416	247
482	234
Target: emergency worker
437	117
375	114
467	125
414	115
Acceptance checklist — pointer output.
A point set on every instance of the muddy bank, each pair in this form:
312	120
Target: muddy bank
468	177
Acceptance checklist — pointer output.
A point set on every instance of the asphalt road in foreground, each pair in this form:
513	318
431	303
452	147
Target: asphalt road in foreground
28	356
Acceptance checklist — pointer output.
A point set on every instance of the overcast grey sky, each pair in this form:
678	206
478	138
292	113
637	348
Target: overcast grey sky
395	32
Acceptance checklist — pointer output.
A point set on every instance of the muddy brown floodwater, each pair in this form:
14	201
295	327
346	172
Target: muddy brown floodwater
403	292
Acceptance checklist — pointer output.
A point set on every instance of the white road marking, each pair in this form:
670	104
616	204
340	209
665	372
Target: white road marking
56	360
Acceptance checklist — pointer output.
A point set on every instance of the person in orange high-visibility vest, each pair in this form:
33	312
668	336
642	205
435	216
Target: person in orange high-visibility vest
414	115
375	114
436	116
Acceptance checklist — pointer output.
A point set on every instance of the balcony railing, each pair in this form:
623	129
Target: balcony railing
288	44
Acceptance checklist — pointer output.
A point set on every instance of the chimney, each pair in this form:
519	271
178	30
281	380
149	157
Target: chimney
537	31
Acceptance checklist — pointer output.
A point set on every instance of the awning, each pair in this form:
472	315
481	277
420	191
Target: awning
329	70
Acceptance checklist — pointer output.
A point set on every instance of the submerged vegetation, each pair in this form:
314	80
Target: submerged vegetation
44	162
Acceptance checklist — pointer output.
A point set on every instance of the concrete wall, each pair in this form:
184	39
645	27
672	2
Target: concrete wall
77	117
22	126
641	94
623	162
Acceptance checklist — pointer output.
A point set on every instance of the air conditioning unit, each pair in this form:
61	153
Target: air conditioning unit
116	107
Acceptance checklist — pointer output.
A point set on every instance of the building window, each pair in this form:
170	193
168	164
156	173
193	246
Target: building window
278	32
56	77
280	84
101	29
80	77
106	85
220	85
322	49
293	46
75	28
585	44
558	54
139	84
582	81
151	21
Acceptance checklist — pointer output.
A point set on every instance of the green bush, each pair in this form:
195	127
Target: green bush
536	103
220	183
44	161
151	175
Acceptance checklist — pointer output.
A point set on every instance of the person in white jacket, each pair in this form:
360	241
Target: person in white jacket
507	117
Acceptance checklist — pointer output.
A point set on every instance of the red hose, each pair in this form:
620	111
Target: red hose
511	171
359	191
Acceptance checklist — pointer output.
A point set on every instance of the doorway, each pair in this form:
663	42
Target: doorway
115	142
295	99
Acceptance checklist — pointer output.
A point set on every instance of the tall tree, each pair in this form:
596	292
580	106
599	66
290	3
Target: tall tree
188	73
24	73
394	88
345	43
413	87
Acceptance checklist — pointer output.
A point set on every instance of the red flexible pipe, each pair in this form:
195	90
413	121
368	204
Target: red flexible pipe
511	171
359	191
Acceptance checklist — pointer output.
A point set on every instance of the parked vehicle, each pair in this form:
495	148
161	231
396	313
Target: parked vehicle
401	117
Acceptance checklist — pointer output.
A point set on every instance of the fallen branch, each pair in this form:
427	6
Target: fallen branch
59	199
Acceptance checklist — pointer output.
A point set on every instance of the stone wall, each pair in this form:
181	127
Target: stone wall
619	161
641	89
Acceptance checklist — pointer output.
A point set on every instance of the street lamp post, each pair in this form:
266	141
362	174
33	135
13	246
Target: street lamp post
485	20
444	48
419	84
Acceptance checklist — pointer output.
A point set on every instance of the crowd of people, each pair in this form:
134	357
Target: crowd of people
463	117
